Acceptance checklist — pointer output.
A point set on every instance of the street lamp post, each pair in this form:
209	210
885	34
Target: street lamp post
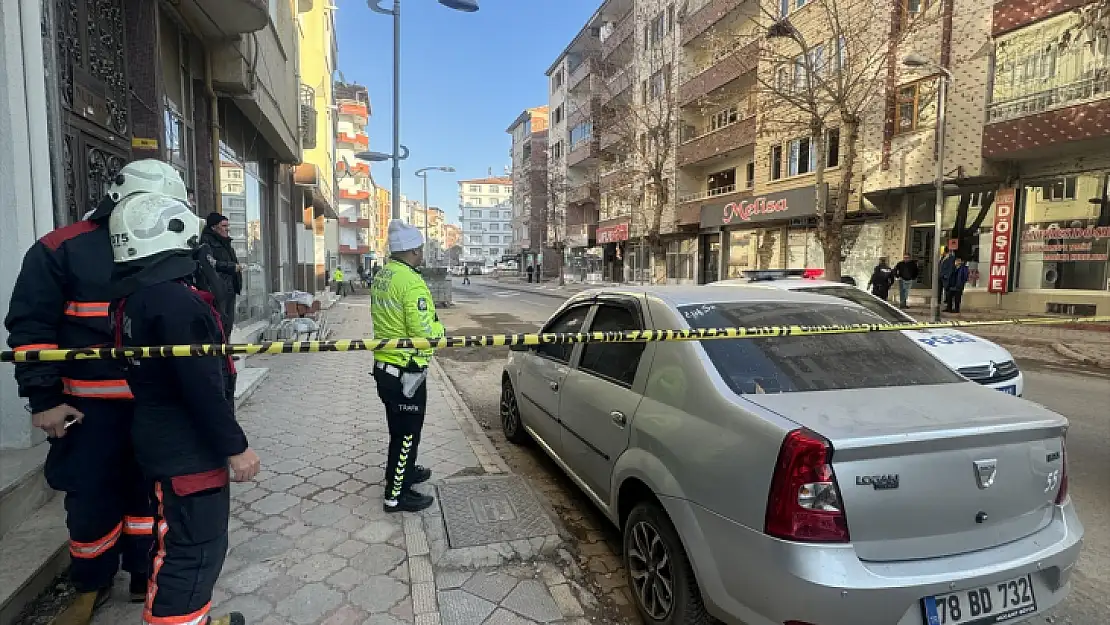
467	6
423	173
919	61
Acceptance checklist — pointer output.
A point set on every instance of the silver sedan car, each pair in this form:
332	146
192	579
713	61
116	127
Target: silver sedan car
831	480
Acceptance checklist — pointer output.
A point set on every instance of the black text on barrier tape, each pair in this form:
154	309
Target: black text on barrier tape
499	340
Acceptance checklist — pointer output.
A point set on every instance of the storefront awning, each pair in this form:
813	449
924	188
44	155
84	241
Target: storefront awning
306	177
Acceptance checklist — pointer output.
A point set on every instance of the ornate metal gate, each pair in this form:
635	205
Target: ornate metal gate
93	94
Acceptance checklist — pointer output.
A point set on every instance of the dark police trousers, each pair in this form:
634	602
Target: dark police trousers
405	417
108	509
192	520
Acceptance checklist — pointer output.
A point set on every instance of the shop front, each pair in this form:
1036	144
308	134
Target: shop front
612	237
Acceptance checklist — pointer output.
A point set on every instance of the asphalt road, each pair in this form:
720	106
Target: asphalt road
1081	396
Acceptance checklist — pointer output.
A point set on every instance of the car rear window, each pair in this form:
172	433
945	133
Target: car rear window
811	363
889	313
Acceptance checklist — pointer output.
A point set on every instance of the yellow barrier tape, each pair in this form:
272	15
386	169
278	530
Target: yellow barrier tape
501	340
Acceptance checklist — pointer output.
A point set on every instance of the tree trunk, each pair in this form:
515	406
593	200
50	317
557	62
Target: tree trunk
834	227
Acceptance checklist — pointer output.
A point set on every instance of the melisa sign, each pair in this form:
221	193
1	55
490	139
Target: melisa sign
800	202
1001	241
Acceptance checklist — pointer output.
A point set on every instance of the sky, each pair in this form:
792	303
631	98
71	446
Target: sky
464	78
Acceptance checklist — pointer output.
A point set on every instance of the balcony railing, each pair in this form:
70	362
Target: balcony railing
354	249
354	223
308	117
583	193
580	73
702	14
616	85
1061	96
725	66
582	151
620	34
354	108
356	139
708	193
720	140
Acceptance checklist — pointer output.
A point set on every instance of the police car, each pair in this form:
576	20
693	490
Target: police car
976	358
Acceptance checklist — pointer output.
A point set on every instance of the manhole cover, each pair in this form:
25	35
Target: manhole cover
491	509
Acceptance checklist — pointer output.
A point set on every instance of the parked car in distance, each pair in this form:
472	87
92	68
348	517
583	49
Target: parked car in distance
844	479
973	357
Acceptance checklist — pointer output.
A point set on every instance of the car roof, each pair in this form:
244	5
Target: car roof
677	296
783	284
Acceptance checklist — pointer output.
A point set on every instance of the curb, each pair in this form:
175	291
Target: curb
518	289
491	461
1067	352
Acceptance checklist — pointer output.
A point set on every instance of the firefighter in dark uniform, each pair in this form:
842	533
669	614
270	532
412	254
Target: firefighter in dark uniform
401	306
185	432
61	299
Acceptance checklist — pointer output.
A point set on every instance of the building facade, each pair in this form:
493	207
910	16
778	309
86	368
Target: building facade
530	199
356	228
486	219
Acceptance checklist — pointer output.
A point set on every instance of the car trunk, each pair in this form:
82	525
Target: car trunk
914	465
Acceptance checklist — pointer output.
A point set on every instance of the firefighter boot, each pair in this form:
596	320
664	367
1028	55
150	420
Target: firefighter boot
84	605
138	588
233	618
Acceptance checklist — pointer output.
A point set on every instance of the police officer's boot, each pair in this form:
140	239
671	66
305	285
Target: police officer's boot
232	618
138	588
409	501
81	611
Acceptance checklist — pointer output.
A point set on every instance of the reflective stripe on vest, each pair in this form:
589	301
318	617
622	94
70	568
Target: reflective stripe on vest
97	389
32	347
194	618
138	525
87	309
88	551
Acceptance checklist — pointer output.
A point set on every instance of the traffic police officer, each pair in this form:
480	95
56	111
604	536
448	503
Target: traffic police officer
61	299
401	307
184	429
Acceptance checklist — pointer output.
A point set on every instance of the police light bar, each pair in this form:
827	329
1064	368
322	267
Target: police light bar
759	275
813	274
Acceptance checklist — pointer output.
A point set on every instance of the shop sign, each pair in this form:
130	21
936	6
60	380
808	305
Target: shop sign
612	234
999	278
1065	245
800	202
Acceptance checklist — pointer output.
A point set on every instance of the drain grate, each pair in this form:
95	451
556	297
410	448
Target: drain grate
491	509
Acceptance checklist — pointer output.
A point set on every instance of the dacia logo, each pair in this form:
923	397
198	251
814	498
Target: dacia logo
878	482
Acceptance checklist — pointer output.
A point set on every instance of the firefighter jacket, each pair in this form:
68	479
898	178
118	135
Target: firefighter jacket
184	411
401	307
60	300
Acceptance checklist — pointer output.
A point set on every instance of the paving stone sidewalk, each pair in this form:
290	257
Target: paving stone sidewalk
310	544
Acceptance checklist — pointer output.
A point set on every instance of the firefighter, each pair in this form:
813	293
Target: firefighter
61	299
184	429
401	306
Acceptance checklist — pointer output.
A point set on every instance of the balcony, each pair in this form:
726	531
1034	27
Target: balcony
361	169
580	73
1013	14
218	20
347	222
615	177
723	69
354	249
359	195
617	85
696	22
580	235
583	153
358	139
584	193
308	117
690	205
620	34
356	109
711	143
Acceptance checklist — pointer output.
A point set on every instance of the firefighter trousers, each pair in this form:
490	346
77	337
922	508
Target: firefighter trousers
405	417
192	519
109	513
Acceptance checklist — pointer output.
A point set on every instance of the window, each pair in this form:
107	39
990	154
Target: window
832	147
475	188
1060	189
571	321
721	182
556	80
801	79
784	8
841	47
616	362
776	162
916	106
913	8
557	150
494	251
475	214
658	84
782	78
475	251
749	180
507	215
557	116
477	201
801	158
660	26
889	313
580	133
793	364
723	118
493	189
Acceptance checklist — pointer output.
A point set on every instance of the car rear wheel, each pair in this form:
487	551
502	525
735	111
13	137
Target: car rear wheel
659	573
510	414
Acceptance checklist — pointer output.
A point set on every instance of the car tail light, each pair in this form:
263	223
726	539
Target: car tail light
813	274
1062	495
804	504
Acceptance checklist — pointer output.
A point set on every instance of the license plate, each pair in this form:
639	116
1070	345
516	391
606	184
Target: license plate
997	603
1009	390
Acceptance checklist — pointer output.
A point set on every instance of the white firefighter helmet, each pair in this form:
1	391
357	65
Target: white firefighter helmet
147	224
147	176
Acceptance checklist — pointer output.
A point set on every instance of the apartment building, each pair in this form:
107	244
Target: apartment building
356	201
486	219
383	200
529	151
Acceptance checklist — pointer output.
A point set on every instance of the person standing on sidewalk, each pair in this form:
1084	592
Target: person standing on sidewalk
956	283
340	281
184	430
907	272
61	299
466	274
946	267
217	236
881	279
401	307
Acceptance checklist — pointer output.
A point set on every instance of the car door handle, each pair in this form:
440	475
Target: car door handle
619	418
554	386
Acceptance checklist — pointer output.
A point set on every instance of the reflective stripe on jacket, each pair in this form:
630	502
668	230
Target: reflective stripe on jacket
401	306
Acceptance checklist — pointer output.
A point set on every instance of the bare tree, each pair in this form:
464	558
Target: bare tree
555	217
828	68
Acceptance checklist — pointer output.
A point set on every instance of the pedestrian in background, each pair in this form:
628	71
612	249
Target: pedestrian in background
882	277
340	281
530	270
217	236
401	306
956	283
946	267
184	430
61	300
362	275
466	274
907	272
